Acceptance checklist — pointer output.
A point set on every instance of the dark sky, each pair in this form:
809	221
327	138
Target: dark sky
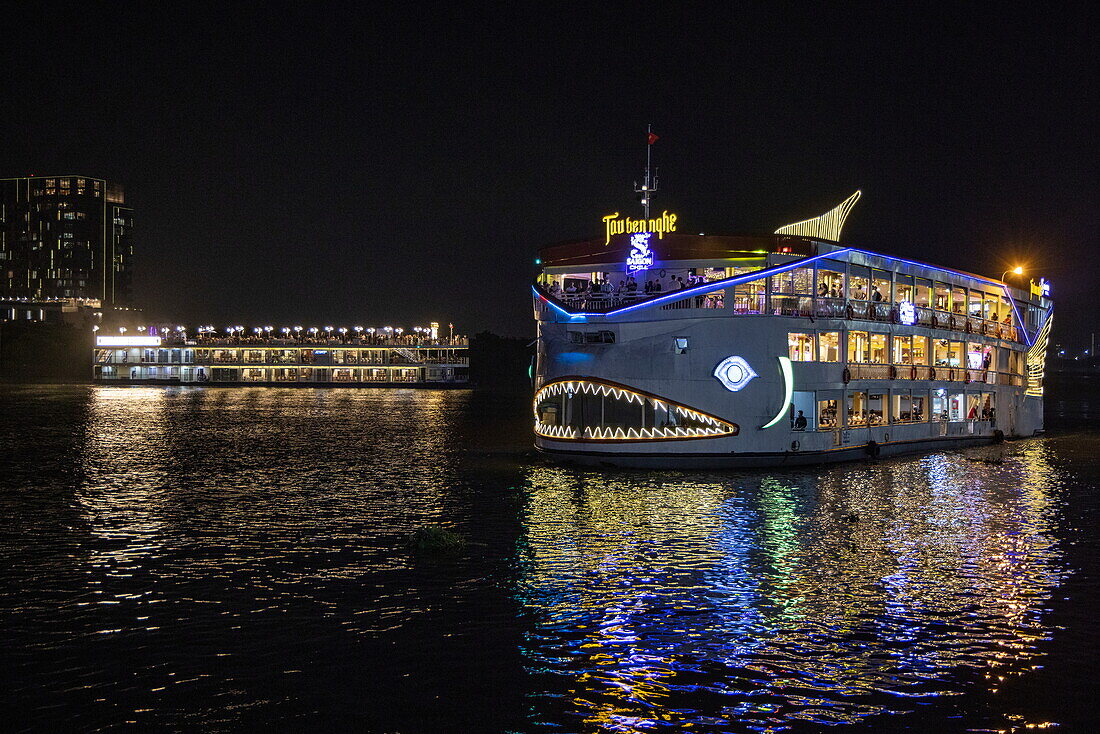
345	164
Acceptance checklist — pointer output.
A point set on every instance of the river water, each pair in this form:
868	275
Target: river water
227	559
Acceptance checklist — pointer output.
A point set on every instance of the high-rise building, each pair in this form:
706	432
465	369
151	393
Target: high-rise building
65	237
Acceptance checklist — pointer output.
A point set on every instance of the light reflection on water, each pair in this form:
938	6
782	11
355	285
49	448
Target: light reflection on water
227	559
751	602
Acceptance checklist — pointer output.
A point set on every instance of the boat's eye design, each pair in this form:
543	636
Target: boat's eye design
579	409
734	373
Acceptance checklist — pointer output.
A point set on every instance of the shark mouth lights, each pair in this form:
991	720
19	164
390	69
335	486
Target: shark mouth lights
582	409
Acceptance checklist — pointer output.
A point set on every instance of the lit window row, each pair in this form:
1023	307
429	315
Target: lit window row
832	409
871	348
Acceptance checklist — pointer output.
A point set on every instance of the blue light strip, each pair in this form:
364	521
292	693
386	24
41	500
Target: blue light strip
720	284
768	272
569	314
1003	286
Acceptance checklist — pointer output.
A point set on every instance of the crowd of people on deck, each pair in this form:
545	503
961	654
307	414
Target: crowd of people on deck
626	288
629	288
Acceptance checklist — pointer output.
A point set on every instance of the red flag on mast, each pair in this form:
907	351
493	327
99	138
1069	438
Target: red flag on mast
653	138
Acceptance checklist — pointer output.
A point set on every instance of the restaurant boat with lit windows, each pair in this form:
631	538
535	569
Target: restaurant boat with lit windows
286	357
660	349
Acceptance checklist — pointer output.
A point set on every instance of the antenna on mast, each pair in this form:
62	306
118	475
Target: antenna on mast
649	184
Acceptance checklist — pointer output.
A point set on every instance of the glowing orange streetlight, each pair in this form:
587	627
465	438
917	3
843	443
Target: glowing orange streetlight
1015	271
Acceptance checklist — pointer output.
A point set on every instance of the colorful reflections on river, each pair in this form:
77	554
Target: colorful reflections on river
760	602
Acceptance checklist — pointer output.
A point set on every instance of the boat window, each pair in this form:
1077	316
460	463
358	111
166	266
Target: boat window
903	288
989	307
975	305
958	300
750	298
800	347
903	350
880	286
920	350
828	346
1006	311
744	269
826	414
989	406
592	337
975	355
802	281
920	400
830	279
922	295
857	346
956	407
943	297
940	350
878	349
798	281
901	406
803	402
857	409
859	284
955	354
973	406
874	408
939	404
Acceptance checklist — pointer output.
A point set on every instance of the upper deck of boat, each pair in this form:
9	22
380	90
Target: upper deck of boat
779	275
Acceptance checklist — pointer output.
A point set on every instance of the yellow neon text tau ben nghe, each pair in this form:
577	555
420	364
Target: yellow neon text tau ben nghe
664	223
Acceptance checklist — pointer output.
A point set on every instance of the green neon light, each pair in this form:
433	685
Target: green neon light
788	391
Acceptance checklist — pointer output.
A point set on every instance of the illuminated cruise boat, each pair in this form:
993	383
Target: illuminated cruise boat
660	349
285	357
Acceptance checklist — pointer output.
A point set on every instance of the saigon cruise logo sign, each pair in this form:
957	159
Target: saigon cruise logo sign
641	257
614	225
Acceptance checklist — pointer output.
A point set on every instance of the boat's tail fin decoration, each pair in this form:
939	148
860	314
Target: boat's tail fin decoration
825	227
1037	360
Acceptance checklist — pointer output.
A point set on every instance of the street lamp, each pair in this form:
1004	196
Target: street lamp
1015	271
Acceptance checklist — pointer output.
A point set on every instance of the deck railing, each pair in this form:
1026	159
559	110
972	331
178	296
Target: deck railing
920	372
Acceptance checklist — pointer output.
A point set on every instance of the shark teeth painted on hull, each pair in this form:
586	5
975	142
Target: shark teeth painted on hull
679	421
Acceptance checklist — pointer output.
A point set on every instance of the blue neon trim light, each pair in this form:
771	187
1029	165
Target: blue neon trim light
1003	286
718	285
572	316
768	272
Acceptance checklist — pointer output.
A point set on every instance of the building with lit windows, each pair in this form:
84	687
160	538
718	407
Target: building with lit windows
285	357
659	349
65	238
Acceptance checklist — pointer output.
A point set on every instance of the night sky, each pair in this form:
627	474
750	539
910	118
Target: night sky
329	164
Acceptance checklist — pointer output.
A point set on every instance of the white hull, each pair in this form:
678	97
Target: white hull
644	357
